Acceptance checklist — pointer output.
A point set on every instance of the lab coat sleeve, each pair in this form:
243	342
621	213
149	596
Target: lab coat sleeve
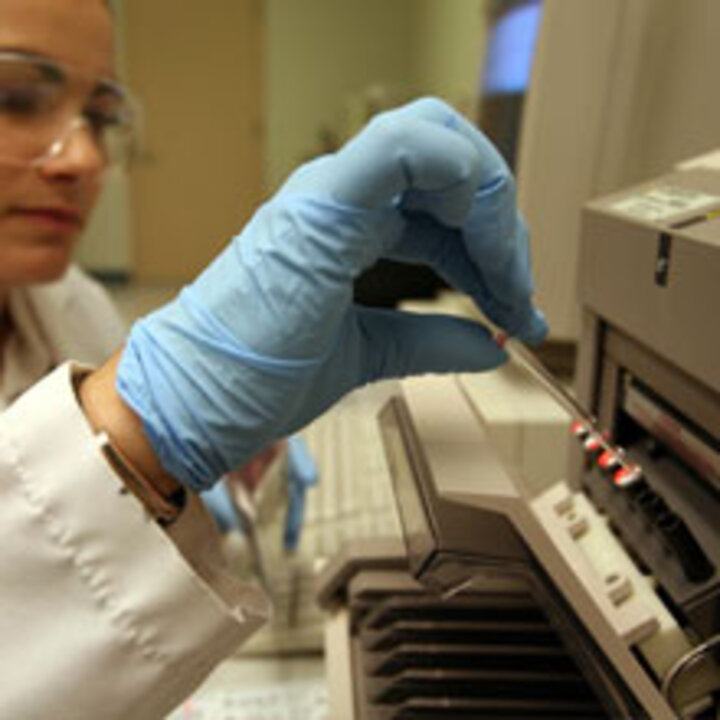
102	613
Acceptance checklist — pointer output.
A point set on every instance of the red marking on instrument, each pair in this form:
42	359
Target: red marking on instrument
608	460
627	475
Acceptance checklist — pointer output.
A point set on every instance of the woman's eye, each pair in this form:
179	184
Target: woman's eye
100	120
22	102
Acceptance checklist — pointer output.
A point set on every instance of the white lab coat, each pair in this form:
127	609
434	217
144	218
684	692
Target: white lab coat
103	615
72	319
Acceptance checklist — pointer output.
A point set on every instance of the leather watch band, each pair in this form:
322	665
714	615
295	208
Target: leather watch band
164	506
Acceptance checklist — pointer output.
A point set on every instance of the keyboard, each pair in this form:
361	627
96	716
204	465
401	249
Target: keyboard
353	499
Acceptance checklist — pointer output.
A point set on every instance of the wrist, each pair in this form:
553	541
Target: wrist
125	445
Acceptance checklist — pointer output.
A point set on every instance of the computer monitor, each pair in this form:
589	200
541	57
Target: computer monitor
512	36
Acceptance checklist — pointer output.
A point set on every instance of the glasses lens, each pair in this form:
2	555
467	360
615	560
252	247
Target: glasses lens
111	117
41	101
29	92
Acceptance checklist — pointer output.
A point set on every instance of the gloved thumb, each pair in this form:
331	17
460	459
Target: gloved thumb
412	344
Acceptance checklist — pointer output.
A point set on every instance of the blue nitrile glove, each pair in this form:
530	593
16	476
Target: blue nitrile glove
267	337
302	473
219	504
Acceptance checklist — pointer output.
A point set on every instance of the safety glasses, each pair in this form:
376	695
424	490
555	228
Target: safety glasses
43	103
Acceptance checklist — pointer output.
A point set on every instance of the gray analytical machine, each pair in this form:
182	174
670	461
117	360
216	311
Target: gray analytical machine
598	595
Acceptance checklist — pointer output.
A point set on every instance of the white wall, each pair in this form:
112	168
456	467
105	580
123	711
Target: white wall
106	245
449	49
327	60
621	91
319	54
683	114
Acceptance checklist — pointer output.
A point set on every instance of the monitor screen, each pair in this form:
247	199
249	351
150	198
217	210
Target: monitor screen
511	45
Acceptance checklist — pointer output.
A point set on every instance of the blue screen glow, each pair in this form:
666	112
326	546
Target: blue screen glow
510	50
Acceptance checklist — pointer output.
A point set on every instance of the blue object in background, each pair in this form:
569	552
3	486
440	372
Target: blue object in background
302	473
511	48
217	501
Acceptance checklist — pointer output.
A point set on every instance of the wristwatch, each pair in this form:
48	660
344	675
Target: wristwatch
164	498
164	505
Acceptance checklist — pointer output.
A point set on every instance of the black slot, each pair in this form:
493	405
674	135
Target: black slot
442	709
708	438
662	259
488	685
652	506
694	562
458	633
465	609
472	657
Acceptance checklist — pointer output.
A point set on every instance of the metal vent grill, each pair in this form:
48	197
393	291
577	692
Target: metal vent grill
473	656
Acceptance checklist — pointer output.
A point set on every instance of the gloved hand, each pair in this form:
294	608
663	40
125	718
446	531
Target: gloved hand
268	337
218	499
302	474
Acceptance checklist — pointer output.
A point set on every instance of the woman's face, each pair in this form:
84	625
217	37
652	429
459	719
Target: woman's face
44	204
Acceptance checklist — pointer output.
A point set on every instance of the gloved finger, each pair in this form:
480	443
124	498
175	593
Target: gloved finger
405	343
494	233
302	473
302	469
389	158
510	306
440	113
219	504
294	516
446	205
423	152
497	241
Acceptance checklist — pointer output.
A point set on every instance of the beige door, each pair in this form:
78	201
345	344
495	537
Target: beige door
197	68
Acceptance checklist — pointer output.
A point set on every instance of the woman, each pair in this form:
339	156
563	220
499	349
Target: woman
50	178
47	314
57	98
113	601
